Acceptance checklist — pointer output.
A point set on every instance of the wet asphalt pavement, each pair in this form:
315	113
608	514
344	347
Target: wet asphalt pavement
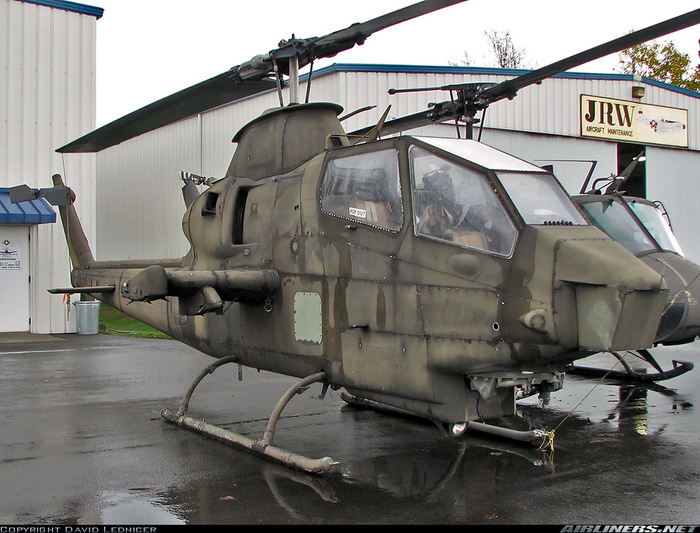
83	442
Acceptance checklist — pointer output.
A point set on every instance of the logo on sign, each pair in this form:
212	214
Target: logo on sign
10	259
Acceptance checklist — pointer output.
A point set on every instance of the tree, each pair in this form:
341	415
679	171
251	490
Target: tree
507	55
505	52
661	62
464	61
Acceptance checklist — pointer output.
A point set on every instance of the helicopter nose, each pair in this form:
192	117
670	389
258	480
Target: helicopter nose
680	321
617	299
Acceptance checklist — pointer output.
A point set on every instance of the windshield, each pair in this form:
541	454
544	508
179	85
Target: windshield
540	199
615	220
656	224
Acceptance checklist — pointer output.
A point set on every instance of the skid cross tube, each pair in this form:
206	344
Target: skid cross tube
262	446
679	367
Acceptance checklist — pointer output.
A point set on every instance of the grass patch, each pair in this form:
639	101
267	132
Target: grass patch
114	322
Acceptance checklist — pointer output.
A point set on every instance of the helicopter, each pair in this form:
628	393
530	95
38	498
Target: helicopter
644	227
438	277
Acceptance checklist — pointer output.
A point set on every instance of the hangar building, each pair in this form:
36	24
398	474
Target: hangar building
129	195
47	51
573	122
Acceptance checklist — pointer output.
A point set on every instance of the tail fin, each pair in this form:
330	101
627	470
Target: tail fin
78	245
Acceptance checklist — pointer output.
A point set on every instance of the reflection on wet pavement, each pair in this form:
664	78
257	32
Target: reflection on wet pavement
88	447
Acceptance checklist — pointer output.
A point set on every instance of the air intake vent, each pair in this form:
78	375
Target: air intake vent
558	223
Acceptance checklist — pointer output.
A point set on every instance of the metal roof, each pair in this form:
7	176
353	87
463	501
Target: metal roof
37	211
485	71
69	6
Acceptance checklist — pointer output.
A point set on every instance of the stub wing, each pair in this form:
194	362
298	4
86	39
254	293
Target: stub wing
201	291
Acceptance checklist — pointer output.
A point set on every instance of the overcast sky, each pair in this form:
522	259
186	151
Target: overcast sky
149	49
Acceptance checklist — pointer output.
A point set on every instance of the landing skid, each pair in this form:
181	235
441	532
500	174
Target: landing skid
679	367
262	446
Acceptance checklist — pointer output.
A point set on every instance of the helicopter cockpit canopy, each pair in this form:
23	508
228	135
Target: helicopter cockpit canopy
462	192
458	202
635	223
656	224
365	188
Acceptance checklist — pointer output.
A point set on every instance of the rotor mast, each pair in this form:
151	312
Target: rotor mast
294	80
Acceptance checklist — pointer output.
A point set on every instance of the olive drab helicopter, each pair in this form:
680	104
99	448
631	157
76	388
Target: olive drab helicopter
439	277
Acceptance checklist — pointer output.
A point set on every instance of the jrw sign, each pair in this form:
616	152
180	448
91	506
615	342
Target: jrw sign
620	120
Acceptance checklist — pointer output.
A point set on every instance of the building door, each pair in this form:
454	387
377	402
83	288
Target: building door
636	184
14	277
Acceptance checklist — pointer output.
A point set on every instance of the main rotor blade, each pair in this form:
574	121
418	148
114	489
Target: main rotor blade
509	88
240	81
450	110
335	42
208	94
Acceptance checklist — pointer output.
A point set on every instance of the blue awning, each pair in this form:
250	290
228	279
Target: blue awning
69	6
37	211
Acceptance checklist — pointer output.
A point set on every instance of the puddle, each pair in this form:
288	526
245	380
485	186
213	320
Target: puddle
138	506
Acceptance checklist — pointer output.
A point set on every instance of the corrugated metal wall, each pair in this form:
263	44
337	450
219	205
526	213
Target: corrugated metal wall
540	125
674	182
48	87
139	198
